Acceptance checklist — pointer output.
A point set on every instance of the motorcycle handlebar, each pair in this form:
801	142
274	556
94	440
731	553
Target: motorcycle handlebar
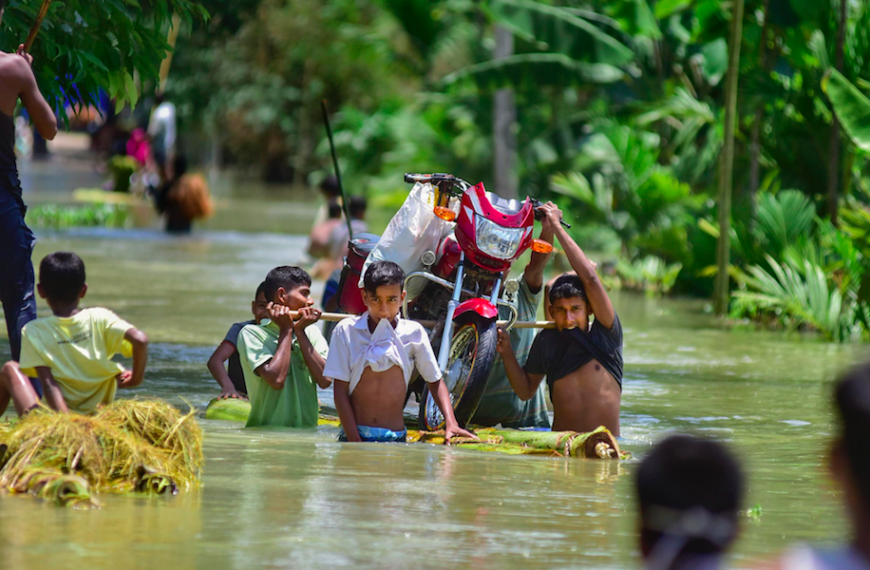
540	216
411	178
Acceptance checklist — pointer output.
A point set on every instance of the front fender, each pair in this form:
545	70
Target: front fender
480	306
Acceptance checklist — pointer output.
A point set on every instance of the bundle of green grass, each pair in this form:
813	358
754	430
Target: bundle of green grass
131	446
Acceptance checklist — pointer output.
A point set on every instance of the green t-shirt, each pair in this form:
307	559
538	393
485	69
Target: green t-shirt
295	405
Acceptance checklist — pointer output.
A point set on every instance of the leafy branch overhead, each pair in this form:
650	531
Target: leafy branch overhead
88	45
569	47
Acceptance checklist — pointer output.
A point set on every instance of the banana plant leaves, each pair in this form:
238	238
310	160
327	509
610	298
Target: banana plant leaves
535	69
851	106
561	31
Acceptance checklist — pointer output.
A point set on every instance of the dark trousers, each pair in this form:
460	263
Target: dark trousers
16	270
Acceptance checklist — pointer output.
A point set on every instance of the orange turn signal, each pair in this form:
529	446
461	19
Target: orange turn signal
541	246
445	214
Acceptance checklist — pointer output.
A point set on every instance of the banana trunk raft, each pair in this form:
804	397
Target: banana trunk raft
598	444
141	446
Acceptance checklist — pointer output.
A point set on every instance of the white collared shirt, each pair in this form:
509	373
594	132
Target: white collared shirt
354	348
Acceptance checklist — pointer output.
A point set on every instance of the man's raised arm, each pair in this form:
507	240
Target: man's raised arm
39	110
599	301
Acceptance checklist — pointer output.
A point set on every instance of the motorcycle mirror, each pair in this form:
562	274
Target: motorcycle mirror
511	287
541	246
445	214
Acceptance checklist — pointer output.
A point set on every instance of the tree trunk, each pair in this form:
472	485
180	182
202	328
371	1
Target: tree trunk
754	158
171	39
834	145
726	163
755	147
504	121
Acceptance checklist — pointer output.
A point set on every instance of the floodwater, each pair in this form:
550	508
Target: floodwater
298	499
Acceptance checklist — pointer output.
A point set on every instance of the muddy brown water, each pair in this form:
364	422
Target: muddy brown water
298	499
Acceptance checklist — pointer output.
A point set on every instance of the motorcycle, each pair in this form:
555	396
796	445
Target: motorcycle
466	286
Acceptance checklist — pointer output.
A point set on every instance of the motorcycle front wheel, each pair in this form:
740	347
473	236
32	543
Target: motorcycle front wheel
472	352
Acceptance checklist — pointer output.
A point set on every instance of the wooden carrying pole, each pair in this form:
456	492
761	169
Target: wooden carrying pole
335	317
34	29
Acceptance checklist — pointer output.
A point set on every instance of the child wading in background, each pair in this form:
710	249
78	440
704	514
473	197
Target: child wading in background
282	358
371	360
183	199
232	379
71	350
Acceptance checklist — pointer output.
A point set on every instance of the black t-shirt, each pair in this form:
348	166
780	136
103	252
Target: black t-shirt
559	353
234	370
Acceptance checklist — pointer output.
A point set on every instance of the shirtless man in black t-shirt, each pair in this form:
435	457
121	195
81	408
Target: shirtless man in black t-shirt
583	364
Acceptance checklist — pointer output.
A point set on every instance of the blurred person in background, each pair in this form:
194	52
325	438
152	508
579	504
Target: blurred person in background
319	238
139	147
183	199
339	237
162	129
320	242
331	193
849	463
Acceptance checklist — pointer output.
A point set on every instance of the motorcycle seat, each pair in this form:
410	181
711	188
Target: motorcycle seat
507	207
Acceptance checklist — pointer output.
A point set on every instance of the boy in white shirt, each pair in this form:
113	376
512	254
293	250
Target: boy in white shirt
371	359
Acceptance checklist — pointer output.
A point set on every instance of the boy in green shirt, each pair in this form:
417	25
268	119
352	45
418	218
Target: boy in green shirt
282	359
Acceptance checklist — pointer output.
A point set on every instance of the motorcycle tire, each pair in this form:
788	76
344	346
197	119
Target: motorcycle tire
472	353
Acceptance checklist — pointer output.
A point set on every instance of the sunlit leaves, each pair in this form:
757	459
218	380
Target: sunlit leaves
88	45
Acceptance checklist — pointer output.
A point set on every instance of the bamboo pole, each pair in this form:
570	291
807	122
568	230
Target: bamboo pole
597	444
34	29
336	317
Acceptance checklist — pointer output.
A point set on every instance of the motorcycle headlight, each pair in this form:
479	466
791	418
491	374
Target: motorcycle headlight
496	241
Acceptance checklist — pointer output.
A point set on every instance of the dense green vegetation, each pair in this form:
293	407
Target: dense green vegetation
57	217
619	120
87	45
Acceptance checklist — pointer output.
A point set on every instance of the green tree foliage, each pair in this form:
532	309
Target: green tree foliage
851	106
620	121
87	45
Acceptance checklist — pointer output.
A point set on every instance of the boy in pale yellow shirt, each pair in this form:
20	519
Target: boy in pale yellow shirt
70	352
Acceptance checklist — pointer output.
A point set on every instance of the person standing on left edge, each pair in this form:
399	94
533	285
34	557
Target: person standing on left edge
16	240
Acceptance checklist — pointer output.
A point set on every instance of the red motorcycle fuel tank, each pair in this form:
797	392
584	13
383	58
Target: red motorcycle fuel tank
493	232
349	294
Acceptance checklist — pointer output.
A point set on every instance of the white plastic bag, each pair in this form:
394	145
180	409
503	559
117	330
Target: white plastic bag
413	230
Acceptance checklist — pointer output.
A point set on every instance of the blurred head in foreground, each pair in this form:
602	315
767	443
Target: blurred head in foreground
689	492
850	457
